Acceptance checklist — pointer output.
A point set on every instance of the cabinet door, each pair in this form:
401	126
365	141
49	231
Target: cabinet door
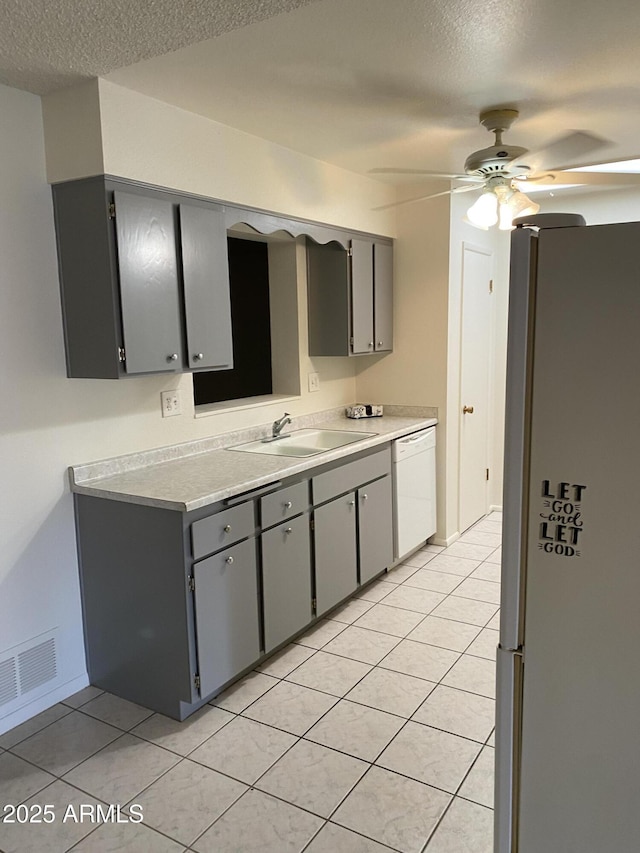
328	299
335	551
286	580
375	530
362	296
383	296
205	268
149	294
227	622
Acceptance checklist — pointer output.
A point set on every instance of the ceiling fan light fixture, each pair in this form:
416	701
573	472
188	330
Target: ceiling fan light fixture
501	204
483	213
505	217
521	205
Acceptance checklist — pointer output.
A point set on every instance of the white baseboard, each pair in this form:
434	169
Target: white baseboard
495	508
436	540
42	703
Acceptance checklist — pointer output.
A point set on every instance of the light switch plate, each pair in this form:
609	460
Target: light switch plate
171	403
314	382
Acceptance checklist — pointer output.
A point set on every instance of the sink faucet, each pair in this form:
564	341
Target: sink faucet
279	425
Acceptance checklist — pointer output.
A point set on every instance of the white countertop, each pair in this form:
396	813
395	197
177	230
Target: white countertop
203	477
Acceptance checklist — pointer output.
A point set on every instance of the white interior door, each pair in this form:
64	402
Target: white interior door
475	362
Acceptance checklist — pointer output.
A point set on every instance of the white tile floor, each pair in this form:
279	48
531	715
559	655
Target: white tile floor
373	732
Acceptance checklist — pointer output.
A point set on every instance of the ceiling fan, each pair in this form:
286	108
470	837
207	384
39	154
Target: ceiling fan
502	171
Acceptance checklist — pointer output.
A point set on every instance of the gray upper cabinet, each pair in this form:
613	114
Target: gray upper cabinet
383	296
144	280
206	288
362	334
148	264
350	297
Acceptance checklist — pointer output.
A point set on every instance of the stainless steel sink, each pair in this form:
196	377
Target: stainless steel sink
303	442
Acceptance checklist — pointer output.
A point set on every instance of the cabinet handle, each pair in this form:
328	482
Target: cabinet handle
380	343
229	560
288	530
365	497
227	528
352	503
288	505
467	410
172	357
198	356
370	343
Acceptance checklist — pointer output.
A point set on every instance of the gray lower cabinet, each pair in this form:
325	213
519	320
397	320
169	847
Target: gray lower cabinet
286	580
227	614
375	531
336	560
144	280
178	605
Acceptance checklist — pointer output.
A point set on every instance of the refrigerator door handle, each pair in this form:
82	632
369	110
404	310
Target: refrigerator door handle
508	749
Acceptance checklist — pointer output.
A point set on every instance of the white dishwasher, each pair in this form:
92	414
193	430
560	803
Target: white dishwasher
414	490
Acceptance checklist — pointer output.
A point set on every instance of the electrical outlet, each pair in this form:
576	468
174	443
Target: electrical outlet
314	382
171	403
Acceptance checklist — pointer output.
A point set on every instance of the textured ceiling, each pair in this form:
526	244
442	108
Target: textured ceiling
373	83
50	44
359	83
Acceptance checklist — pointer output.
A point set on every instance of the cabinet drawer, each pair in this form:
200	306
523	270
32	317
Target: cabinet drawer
351	475
284	503
222	529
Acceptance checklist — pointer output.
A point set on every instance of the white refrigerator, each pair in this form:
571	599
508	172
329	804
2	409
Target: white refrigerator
568	709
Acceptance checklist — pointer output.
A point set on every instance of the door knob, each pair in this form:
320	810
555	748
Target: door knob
467	410
198	356
172	357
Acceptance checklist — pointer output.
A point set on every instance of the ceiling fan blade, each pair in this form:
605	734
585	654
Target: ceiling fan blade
426	197
426	173
594	179
563	153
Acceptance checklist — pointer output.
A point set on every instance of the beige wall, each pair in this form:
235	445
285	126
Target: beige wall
416	373
599	207
424	368
72	121
148	140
